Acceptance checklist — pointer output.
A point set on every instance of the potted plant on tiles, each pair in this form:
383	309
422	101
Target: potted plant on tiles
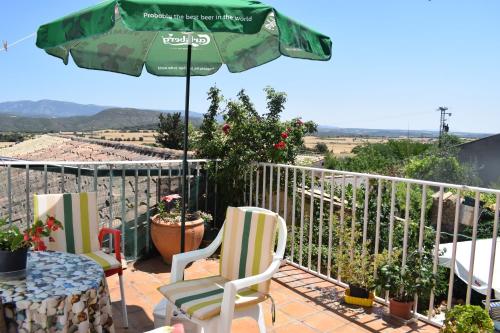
14	244
166	228
404	281
356	267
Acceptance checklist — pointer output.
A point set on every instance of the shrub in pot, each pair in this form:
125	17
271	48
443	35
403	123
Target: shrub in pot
166	228
467	319
14	244
404	281
356	266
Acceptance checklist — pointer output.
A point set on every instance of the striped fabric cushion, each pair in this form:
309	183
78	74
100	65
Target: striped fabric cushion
202	298
106	261
247	245
78	214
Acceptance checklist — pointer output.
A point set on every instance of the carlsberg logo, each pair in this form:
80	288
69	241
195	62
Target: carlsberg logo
198	40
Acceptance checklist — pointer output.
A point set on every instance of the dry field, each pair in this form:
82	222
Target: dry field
6	144
343	146
127	137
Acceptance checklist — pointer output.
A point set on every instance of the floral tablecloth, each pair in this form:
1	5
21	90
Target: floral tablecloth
62	292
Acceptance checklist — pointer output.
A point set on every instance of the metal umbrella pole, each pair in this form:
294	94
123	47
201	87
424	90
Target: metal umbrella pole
185	161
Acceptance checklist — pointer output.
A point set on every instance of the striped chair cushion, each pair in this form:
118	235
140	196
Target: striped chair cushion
78	214
247	245
202	298
106	261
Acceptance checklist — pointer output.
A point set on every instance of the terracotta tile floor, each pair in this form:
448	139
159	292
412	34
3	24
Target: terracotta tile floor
304	303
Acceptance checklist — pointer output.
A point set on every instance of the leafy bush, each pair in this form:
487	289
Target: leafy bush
170	131
467	319
321	148
247	137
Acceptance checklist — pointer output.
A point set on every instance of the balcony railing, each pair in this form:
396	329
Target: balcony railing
390	213
128	191
318	202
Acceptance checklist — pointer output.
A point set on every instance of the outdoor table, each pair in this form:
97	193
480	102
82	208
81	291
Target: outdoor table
62	292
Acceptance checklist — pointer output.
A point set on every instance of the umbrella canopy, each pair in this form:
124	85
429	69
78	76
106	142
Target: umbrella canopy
168	37
481	263
125	35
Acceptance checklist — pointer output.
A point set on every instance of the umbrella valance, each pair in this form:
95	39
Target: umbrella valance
125	36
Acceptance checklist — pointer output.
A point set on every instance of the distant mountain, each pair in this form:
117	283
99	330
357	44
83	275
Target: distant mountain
114	118
47	108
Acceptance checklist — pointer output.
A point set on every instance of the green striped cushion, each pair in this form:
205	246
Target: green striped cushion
78	214
106	261
247	245
202	298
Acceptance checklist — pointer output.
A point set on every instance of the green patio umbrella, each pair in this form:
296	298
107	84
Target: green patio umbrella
167	37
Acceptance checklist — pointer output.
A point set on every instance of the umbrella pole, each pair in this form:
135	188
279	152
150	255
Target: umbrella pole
184	160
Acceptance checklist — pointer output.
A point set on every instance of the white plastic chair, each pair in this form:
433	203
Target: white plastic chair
222	323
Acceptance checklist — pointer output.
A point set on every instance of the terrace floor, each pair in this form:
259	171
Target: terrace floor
304	303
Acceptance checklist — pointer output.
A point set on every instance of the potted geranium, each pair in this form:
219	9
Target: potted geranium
467	318
404	281
166	228
14	244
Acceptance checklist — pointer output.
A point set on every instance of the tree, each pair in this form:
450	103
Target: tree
321	148
170	132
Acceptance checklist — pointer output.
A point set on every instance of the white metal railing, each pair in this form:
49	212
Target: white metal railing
289	189
128	191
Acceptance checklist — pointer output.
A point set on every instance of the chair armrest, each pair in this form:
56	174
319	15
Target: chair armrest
256	279
117	238
181	260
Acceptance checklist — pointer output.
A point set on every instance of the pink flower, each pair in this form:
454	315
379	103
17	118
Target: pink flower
299	122
226	128
170	198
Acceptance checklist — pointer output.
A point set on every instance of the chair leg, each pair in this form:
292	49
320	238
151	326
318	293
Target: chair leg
169	313
124	303
260	319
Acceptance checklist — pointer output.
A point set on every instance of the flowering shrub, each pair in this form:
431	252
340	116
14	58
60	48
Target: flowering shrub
246	137
12	239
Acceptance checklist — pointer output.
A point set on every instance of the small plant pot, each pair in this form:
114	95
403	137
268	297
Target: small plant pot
358	292
401	309
13	264
361	301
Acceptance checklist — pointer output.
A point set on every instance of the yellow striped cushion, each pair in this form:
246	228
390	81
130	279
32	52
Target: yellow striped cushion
78	214
247	245
202	298
106	261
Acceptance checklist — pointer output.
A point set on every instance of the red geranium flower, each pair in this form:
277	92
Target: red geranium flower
226	128
280	145
50	222
284	135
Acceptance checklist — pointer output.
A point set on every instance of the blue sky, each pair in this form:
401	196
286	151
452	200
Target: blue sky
394	62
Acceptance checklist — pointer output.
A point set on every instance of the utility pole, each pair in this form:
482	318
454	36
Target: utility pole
444	128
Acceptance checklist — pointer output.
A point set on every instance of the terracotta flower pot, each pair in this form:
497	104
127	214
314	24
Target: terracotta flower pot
167	237
400	309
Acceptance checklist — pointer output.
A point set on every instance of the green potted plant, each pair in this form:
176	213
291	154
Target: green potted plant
14	244
404	281
356	266
467	319
165	228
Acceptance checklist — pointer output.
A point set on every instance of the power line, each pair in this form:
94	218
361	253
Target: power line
7	46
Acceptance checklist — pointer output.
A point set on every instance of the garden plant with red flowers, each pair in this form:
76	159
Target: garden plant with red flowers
246	136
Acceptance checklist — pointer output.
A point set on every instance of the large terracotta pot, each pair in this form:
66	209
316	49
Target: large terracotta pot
167	237
400	309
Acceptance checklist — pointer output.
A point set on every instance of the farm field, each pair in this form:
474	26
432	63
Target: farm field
125	136
343	146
